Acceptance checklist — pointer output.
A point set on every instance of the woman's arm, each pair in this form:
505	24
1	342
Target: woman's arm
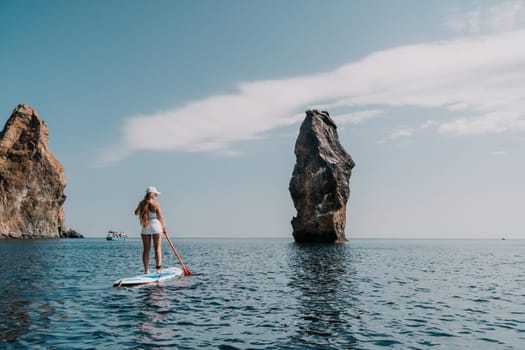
158	211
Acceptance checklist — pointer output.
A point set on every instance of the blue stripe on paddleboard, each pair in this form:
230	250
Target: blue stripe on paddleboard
149	278
156	275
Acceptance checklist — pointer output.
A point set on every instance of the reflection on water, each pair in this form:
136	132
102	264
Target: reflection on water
24	307
322	276
155	312
15	319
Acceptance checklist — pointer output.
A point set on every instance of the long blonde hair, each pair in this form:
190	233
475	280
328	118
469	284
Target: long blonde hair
143	209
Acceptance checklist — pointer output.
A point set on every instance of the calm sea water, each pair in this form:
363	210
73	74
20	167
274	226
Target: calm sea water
266	294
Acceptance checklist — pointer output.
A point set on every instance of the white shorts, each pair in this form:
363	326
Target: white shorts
153	227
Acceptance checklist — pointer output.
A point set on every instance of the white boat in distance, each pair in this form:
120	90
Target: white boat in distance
116	236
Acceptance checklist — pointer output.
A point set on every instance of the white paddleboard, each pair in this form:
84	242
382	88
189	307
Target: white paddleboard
166	274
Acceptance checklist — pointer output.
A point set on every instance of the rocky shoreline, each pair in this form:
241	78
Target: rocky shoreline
71	233
32	180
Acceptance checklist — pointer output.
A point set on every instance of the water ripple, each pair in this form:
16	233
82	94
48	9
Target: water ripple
266	294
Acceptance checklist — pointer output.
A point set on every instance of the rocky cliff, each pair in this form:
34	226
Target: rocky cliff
320	181
32	180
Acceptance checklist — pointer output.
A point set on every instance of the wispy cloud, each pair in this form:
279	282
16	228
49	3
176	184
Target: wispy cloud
458	107
507	15
498	153
428	124
357	117
396	134
407	132
493	122
481	77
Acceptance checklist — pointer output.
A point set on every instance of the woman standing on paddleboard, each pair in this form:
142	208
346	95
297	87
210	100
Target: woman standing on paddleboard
153	225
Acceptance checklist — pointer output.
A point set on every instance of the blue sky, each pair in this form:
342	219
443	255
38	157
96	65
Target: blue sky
204	99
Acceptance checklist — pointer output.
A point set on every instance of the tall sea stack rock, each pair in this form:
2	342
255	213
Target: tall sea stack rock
320	181
32	180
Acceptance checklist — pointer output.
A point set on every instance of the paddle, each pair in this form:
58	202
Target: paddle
184	268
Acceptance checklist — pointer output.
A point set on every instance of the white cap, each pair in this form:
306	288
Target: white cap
152	189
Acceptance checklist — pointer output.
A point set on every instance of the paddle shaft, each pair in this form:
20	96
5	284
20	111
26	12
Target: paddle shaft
184	268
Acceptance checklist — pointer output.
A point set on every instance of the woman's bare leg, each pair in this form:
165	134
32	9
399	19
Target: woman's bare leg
157	240
146	244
